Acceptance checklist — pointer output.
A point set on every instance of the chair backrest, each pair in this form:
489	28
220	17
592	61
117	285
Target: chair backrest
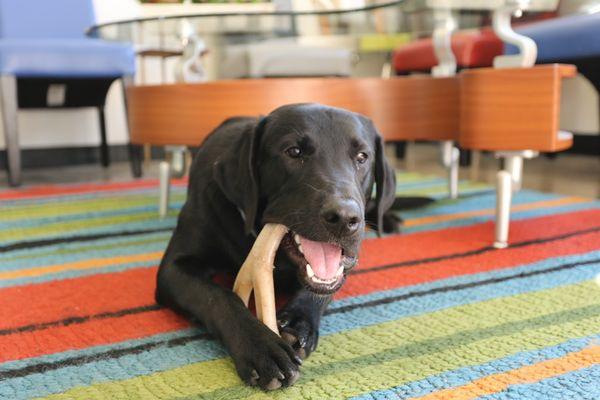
403	108
32	19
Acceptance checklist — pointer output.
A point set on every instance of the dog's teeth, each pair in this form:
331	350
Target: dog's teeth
340	271
309	271
297	239
300	248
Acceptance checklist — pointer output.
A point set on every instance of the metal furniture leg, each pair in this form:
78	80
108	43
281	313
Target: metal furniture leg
135	151
164	176
104	155
9	105
450	159
445	25
174	167
503	199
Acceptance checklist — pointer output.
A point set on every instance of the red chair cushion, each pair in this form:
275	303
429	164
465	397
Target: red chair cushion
472	49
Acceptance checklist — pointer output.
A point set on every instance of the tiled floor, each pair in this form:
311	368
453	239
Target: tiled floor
568	174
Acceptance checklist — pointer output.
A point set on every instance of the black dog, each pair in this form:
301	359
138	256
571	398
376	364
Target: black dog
309	167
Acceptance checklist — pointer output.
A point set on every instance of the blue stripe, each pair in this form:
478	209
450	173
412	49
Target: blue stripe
75	246
150	223
117	193
118	250
78	273
29	223
463	376
165	358
515	216
582	384
485	201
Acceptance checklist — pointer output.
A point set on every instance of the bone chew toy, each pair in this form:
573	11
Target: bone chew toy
257	274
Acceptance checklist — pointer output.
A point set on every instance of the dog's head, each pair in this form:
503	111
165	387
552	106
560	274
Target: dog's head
313	168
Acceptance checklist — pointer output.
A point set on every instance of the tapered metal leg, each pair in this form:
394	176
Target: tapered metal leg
9	104
135	151
164	177
514	165
104	155
450	159
503	199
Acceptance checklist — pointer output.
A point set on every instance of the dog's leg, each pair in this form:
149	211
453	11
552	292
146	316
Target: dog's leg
299	321
261	357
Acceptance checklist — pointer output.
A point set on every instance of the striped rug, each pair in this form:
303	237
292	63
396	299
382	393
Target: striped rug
434	313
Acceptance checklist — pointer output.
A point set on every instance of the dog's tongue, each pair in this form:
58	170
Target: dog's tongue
324	258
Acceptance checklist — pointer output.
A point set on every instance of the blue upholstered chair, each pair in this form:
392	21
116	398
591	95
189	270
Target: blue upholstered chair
46	60
573	39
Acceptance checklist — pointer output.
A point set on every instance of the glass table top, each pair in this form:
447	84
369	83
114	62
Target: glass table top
355	42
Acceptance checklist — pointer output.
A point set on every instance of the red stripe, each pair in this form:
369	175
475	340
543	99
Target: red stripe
93	333
62	190
110	292
56	300
495	260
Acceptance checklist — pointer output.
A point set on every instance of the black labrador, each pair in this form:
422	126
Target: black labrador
309	167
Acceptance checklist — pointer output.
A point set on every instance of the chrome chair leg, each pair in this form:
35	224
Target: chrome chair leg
503	199
9	105
164	178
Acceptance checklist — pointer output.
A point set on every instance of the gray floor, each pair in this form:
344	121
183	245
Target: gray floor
568	174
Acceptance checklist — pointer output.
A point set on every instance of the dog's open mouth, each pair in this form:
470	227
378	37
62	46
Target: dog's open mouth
321	265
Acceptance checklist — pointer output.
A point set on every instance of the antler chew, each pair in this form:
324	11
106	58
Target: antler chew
257	274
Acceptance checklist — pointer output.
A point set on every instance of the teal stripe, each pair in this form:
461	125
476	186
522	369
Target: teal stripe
79	273
484	201
150	223
74	248
88	196
463	376
515	216
165	357
582	384
28	223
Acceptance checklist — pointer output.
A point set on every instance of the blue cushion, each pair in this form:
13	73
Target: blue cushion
23	19
66	57
563	39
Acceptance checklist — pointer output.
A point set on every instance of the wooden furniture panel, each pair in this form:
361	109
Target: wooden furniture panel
413	108
512	109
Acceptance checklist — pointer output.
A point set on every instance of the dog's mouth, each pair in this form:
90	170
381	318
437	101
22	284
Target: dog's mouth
321	265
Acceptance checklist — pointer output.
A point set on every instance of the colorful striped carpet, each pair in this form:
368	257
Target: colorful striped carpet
434	313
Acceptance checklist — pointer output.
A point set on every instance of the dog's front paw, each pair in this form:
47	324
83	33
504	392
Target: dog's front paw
299	330
264	359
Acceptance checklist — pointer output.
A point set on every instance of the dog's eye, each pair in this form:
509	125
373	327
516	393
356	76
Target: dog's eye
294	152
362	157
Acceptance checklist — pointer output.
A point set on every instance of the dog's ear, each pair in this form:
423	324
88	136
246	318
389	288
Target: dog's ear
236	173
385	178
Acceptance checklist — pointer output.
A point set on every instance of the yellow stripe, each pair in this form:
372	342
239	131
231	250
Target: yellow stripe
81	265
529	374
490	211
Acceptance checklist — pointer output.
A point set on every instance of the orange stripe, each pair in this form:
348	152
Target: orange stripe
81	265
529	374
490	211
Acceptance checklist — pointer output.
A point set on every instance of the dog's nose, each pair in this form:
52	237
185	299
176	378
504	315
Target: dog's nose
342	217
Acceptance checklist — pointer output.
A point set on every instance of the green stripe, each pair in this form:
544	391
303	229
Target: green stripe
369	343
418	360
64	228
58	209
441	189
